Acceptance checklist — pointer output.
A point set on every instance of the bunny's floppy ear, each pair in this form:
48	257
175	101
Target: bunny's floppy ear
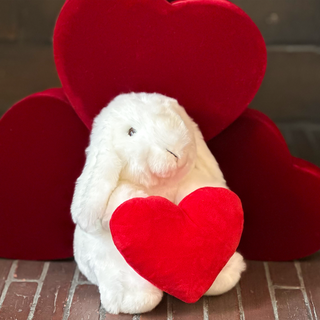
206	171
99	176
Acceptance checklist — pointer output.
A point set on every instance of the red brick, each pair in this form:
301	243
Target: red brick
291	304
30	270
224	307
5	266
184	311
255	294
159	313
18	301
85	303
55	290
284	274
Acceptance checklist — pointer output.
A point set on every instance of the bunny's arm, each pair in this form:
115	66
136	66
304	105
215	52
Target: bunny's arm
93	189
125	191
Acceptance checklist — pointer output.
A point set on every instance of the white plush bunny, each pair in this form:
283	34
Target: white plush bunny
141	145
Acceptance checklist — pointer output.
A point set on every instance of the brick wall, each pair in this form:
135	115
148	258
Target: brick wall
291	28
26	59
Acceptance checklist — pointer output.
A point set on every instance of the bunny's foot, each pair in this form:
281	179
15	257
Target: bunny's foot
130	301
229	276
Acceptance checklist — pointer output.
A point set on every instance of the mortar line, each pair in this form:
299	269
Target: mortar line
240	304
313	307
286	287
8	281
80	283
66	311
294	48
25	280
303	289
169	308
271	291
102	312
38	291
205	303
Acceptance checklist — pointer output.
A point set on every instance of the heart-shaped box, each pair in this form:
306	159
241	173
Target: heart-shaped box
280	193
42	143
207	54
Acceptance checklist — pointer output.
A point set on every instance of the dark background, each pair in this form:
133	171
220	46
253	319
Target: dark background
291	28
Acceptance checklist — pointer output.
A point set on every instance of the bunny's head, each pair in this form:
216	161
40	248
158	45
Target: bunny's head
147	139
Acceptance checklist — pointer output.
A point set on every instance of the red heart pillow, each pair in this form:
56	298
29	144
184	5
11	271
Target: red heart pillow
42	144
280	194
180	249
207	54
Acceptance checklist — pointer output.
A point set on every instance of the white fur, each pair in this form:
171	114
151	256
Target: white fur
165	156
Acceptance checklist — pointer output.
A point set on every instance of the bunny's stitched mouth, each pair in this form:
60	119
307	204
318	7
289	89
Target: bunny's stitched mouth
173	154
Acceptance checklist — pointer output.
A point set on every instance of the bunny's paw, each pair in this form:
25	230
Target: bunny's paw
131	302
229	276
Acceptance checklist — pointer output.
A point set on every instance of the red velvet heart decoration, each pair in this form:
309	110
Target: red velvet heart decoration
42	143
207	54
180	249
280	194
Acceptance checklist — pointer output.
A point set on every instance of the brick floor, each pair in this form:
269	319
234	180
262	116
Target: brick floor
286	290
33	290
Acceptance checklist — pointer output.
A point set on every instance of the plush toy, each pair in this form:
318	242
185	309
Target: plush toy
145	145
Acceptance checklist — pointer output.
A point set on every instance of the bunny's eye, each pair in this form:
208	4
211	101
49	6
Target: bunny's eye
131	131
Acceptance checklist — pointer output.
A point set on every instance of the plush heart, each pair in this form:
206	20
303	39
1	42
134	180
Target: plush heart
207	54
180	249
280	194
42	144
